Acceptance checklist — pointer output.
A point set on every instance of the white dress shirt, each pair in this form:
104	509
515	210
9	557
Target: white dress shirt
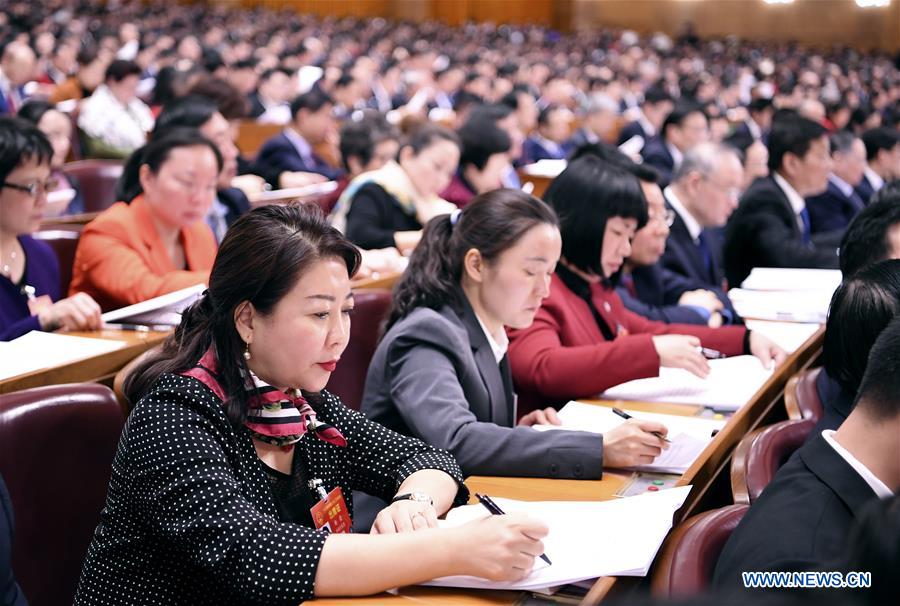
694	228
874	178
796	200
499	344
878	487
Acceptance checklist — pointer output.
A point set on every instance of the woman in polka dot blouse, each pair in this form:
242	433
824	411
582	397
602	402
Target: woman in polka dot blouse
209	500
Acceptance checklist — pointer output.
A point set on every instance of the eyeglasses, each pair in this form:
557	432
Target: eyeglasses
667	216
35	187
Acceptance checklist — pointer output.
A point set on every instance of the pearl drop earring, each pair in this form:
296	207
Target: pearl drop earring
247	355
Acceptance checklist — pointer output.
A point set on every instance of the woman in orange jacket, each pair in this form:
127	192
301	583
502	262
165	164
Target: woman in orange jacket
160	242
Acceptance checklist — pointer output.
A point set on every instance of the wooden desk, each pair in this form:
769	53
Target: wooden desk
380	281
95	368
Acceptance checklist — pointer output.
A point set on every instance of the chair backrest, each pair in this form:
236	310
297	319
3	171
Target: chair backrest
761	453
349	378
119	379
56	449
97	179
63	242
251	136
801	398
688	557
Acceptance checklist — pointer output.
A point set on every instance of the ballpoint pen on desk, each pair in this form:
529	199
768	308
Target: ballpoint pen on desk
137	327
627	416
711	354
495	510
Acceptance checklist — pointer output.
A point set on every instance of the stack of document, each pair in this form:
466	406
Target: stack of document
164	311
586	540
786	294
38	350
689	436
730	384
787	335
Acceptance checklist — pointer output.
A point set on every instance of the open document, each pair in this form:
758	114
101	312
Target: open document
730	384
37	350
587	539
689	436
164	310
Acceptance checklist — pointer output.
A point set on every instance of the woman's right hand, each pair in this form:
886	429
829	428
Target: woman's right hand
501	547
681	351
78	312
632	443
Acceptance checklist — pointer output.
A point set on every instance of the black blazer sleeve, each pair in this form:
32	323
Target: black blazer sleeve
369	220
10	594
670	314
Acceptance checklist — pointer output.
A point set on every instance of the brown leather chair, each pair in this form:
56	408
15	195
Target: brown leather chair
688	557
63	242
801	398
97	179
349	378
56	449
761	453
119	379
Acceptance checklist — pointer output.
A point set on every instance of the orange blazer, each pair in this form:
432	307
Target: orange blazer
121	260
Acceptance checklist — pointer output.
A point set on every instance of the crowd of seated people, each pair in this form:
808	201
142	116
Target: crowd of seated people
683	164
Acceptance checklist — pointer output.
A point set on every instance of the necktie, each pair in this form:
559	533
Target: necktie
807	233
705	252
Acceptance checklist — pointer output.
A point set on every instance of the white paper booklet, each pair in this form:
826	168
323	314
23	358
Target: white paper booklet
587	539
37	350
787	335
688	435
165	309
807	306
792	279
730	384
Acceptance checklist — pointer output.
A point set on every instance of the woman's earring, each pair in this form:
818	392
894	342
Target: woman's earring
247	355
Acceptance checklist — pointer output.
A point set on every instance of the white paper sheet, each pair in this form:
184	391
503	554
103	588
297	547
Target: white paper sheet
688	435
37	350
160	310
792	279
548	168
730	384
586	540
787	335
806	306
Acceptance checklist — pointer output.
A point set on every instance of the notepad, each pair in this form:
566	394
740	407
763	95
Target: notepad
792	279
163	310
37	350
806	306
689	436
731	383
586	540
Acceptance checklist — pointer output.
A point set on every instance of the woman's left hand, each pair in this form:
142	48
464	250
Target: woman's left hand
404	516
766	350
546	416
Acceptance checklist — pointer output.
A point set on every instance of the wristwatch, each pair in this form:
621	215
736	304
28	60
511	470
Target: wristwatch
419	497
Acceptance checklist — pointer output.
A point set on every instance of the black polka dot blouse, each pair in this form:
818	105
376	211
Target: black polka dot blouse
190	517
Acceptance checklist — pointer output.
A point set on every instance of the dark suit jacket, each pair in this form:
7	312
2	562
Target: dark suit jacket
256	107
865	189
802	518
630	130
279	153
375	216
236	201
741	137
656	154
10	594
533	151
763	232
832	210
578	139
434	376
682	257
652	284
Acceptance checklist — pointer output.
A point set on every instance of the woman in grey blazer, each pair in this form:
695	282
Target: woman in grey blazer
441	372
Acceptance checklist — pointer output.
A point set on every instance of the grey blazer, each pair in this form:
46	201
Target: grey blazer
434	376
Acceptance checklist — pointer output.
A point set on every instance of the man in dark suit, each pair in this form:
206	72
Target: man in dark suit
270	101
599	120
802	519
836	206
703	194
770	227
293	149
756	126
10	594
657	104
684	127
883	159
549	142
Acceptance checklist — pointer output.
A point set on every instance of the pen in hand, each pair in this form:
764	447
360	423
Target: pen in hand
495	510
627	416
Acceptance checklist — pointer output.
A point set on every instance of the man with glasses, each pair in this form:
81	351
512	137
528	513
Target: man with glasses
703	194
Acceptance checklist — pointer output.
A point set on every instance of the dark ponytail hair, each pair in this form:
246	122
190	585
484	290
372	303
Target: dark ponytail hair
155	154
491	223
261	258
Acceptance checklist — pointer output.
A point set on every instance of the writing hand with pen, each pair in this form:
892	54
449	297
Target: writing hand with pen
634	442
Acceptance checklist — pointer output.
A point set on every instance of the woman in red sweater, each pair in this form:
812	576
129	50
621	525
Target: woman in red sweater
583	339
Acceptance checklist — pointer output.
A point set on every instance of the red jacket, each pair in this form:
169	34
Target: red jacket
563	354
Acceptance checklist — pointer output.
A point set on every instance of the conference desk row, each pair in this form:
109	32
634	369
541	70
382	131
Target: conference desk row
711	466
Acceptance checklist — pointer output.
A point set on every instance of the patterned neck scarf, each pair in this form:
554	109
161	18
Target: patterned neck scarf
273	416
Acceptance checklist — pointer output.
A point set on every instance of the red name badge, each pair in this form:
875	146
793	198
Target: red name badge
331	514
37	304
